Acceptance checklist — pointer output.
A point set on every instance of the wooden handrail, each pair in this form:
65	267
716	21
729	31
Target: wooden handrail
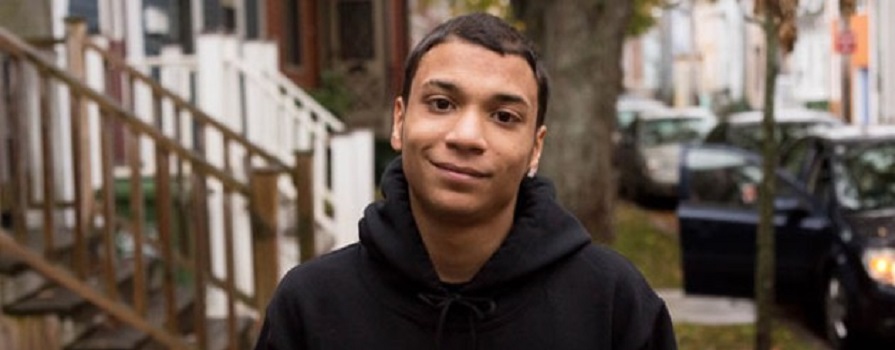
178	101
64	278
20	49
260	189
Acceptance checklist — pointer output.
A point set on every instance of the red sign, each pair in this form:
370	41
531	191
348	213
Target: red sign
845	42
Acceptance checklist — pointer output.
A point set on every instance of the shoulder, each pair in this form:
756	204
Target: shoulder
615	275
321	273
640	317
609	262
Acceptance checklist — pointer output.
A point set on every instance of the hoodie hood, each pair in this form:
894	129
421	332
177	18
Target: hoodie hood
542	233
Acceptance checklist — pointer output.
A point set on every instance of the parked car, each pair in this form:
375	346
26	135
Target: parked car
647	155
834	218
630	107
744	129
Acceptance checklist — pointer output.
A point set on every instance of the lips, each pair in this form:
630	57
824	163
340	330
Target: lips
461	169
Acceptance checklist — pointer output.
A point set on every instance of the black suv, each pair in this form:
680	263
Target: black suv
744	129
834	222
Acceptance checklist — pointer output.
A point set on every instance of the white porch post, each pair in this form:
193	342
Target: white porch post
61	119
263	124
352	182
219	96
210	91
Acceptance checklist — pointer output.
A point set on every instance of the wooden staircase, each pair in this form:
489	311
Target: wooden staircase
65	273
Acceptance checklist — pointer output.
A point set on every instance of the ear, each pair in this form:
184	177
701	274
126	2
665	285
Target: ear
398	124
536	151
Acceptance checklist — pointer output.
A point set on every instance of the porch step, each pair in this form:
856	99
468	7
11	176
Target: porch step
54	299
216	329
218	326
113	336
63	243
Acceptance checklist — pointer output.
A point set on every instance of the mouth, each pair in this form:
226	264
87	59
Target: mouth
462	170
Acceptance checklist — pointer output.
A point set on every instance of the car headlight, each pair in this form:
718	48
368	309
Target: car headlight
880	264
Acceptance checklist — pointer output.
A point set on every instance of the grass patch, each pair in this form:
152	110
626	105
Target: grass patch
737	337
655	253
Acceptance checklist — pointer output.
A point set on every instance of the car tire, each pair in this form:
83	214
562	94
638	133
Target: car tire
837	308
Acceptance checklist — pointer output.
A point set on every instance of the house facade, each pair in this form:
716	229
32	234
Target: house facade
352	51
209	83
711	53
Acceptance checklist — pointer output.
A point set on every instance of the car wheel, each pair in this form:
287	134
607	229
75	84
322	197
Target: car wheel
836	307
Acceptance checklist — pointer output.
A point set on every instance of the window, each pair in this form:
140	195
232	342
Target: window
356	29
793	159
292	37
820	182
657	132
720	177
867	180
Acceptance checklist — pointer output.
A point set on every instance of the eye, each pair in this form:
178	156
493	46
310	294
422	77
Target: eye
439	104
505	117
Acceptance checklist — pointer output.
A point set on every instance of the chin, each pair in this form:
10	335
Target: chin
453	205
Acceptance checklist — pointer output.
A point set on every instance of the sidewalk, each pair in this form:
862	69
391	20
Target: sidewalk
707	310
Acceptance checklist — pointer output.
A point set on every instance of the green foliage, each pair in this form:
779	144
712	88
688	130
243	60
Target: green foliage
643	19
333	93
500	8
819	105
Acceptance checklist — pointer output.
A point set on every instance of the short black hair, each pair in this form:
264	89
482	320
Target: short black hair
491	33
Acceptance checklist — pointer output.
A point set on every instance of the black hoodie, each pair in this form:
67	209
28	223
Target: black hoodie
546	287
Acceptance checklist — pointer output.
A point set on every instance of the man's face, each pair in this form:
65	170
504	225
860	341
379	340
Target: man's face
467	131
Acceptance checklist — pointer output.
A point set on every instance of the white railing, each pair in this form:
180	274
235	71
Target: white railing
240	84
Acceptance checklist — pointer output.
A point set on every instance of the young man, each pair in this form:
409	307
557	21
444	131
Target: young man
469	249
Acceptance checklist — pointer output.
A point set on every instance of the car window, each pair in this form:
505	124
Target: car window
867	179
794	158
791	132
656	132
750	135
820	182
624	119
746	136
718	134
721	177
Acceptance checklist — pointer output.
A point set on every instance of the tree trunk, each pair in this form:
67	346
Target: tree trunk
581	42
765	264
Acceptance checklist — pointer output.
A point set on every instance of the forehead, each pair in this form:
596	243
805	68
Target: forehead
458	60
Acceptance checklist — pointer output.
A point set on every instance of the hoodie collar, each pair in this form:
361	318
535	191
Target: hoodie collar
542	233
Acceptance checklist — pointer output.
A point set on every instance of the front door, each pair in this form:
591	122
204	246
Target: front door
718	217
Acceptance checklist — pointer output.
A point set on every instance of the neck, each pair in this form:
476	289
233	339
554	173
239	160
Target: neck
459	250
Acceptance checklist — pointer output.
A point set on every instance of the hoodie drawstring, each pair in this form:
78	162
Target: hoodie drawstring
480	307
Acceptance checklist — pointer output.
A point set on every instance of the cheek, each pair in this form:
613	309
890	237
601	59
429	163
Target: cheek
517	161
421	132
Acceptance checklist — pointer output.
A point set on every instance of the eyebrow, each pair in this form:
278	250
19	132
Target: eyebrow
453	88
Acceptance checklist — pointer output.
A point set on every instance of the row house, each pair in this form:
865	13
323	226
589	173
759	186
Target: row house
710	53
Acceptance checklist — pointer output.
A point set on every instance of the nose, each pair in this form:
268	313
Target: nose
466	133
